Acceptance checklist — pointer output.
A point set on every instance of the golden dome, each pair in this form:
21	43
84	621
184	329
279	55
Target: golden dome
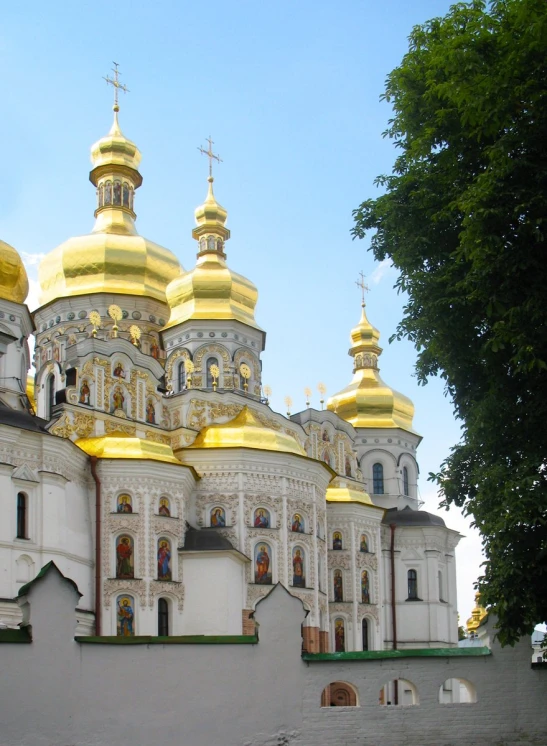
121	445
478	615
246	431
113	258
211	290
13	275
339	491
368	401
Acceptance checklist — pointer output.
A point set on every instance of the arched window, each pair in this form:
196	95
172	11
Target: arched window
181	376
378	479
163	617
365	634
412	584
405	481
210	377
339	694
21	515
50	389
399	692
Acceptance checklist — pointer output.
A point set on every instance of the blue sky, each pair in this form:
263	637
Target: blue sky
290	93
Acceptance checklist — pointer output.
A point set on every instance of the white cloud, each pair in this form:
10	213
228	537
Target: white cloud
384	268
31	260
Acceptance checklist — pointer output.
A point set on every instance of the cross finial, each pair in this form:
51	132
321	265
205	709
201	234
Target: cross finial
116	84
209	153
364	287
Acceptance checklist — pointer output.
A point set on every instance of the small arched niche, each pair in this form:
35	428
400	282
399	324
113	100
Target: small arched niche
457	692
399	692
340	694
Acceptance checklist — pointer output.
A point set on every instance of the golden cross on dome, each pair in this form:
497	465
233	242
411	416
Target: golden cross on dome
209	153
116	84
361	284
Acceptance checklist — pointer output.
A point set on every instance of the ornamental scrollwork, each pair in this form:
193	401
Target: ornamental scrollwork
161	587
113	586
339	559
214	348
196	417
255	593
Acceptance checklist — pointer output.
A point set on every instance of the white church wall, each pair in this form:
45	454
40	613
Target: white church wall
98	694
214	593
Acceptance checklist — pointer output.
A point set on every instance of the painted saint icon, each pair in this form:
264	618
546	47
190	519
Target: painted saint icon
85	393
365	588
164	559
263	573
339	636
262	518
348	467
126	616
119	372
364	543
337	540
164	507
150	412
125	504
117	193
297	524
124	558
125	192
218	517
298	572
338	585
108	193
118	399
154	350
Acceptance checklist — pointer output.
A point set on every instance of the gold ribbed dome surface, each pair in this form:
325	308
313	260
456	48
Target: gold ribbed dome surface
13	275
211	290
368	401
120	445
339	491
246	431
113	258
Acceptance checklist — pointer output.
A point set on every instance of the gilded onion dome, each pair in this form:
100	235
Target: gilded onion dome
368	401
13	275
339	491
113	258
211	290
246	431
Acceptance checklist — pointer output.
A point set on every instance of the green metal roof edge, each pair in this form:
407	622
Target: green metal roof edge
43	572
15	635
374	655
173	640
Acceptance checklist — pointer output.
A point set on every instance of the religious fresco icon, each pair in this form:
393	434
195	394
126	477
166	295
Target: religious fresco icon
298	568
118	400
118	371
364	543
150	412
85	393
263	570
337	540
164	559
262	518
218	517
124	557
125	504
338	585
125	616
297	524
164	508
365	588
339	636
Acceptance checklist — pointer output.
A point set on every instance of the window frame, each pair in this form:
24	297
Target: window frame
21	527
412	589
378	481
163	617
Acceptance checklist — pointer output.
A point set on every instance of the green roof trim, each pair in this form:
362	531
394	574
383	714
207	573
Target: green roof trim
375	655
24	589
15	635
173	640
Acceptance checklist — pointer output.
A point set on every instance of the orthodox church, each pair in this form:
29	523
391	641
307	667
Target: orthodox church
143	459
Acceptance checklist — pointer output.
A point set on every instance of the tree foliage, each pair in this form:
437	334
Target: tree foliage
463	218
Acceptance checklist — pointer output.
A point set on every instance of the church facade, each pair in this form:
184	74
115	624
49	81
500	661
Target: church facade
144	460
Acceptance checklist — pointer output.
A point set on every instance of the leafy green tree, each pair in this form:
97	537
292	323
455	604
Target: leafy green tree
463	217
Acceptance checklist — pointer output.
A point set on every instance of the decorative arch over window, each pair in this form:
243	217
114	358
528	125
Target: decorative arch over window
164	559
262	518
298	524
22	517
405	481
299	567
218	517
125	560
457	692
337	540
399	692
24	569
378	479
412	577
163	617
164	507
125	613
263	563
124	503
338	585
339	694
